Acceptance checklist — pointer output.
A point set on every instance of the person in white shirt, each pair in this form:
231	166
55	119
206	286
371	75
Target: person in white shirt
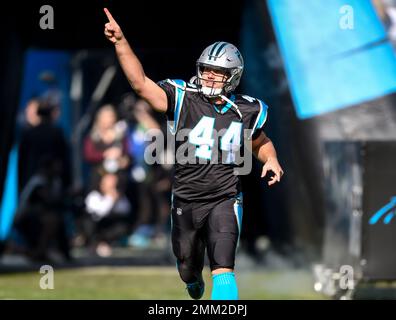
109	210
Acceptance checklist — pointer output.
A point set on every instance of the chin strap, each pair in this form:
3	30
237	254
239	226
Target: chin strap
211	92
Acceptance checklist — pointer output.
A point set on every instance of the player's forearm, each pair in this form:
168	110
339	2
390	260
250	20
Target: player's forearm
130	64
265	151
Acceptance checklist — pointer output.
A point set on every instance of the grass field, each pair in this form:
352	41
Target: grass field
150	283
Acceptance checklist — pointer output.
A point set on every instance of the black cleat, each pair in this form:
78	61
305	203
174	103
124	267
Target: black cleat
196	289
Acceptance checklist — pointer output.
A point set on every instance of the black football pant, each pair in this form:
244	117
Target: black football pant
197	226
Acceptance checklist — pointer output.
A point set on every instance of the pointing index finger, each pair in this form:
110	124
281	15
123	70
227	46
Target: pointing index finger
108	14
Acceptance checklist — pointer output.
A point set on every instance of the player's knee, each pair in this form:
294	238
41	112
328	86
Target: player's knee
186	271
223	254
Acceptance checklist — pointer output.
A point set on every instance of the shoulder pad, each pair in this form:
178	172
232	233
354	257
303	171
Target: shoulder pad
177	83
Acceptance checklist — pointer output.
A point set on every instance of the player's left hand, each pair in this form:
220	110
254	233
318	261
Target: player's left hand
273	165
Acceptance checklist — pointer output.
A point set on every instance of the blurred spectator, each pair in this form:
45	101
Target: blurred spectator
152	182
43	173
41	138
108	217
105	146
40	217
51	96
31	117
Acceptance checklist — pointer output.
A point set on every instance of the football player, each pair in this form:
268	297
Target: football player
207	198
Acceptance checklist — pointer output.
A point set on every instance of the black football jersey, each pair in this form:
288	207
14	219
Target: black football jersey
209	139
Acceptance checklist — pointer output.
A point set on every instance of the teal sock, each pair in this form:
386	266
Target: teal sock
224	286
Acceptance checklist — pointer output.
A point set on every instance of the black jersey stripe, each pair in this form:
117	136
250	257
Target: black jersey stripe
220	48
213	49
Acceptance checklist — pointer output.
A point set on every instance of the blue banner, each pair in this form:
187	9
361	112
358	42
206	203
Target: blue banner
46	74
336	53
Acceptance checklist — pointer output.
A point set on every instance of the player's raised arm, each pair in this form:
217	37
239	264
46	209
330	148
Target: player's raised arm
141	84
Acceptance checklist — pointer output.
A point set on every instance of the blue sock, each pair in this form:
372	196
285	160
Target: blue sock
224	286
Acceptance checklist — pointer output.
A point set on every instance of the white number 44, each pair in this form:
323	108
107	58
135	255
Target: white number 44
202	137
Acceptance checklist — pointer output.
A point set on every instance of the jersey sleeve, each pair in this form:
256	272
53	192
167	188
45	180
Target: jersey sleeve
170	91
175	91
258	119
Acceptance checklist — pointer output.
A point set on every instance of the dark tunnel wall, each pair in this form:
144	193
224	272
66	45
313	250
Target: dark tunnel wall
170	35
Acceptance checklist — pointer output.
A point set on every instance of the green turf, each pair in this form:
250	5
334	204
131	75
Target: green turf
149	283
